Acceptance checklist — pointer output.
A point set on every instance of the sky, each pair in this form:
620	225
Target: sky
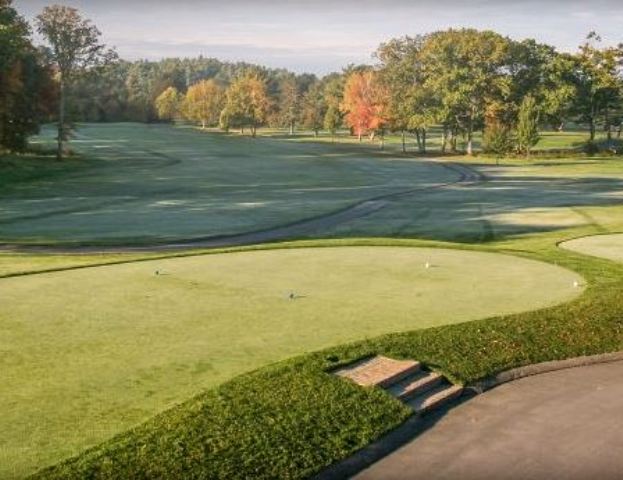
325	35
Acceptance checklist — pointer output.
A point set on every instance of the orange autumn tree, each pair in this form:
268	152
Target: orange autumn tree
363	103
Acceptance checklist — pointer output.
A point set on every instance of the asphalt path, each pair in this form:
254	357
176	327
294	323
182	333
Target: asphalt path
566	424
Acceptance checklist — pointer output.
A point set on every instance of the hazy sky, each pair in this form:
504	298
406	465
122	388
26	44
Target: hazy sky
321	36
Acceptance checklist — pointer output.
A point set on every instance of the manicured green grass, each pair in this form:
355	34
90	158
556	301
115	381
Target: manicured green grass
157	182
143	354
290	420
139	183
102	349
604	246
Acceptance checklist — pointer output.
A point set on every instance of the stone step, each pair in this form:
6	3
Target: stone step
435	398
415	384
378	371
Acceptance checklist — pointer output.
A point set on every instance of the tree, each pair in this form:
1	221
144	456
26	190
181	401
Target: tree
204	102
314	108
497	138
168	104
74	48
247	103
362	103
25	81
410	107
598	82
466	69
527	134
289	103
333	92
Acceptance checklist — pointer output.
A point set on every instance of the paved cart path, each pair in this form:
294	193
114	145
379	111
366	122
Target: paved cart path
565	424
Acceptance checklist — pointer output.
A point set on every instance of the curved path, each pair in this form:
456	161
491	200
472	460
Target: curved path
467	176
565	424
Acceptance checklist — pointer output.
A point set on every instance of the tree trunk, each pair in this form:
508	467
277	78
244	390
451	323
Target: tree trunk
203	124
404	145
470	136
291	128
591	126
444	136
453	140
242	130
61	120
607	125
359	136
315	132
423	140
253	130
419	141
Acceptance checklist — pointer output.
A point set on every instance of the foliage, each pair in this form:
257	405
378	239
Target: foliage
598	83
527	133
168	104
247	103
497	138
410	106
26	89
363	103
204	102
74	48
314	108
333	95
289	103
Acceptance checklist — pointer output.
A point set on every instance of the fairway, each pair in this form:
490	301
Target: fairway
147	184
138	183
88	353
604	246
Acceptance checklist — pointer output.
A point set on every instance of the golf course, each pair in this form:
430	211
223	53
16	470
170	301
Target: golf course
141	330
292	260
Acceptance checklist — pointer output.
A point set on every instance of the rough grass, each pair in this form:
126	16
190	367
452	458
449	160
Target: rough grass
124	342
290	420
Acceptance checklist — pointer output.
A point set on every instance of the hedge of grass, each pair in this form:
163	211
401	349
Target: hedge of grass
292	419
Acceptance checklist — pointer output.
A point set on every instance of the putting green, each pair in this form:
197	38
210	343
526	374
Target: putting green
604	246
87	353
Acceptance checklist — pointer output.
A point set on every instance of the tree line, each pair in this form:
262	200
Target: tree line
461	81
457	81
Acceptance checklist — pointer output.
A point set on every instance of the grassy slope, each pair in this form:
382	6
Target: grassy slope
291	419
123	344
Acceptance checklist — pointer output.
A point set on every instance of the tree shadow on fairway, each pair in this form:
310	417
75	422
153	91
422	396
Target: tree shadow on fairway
501	206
